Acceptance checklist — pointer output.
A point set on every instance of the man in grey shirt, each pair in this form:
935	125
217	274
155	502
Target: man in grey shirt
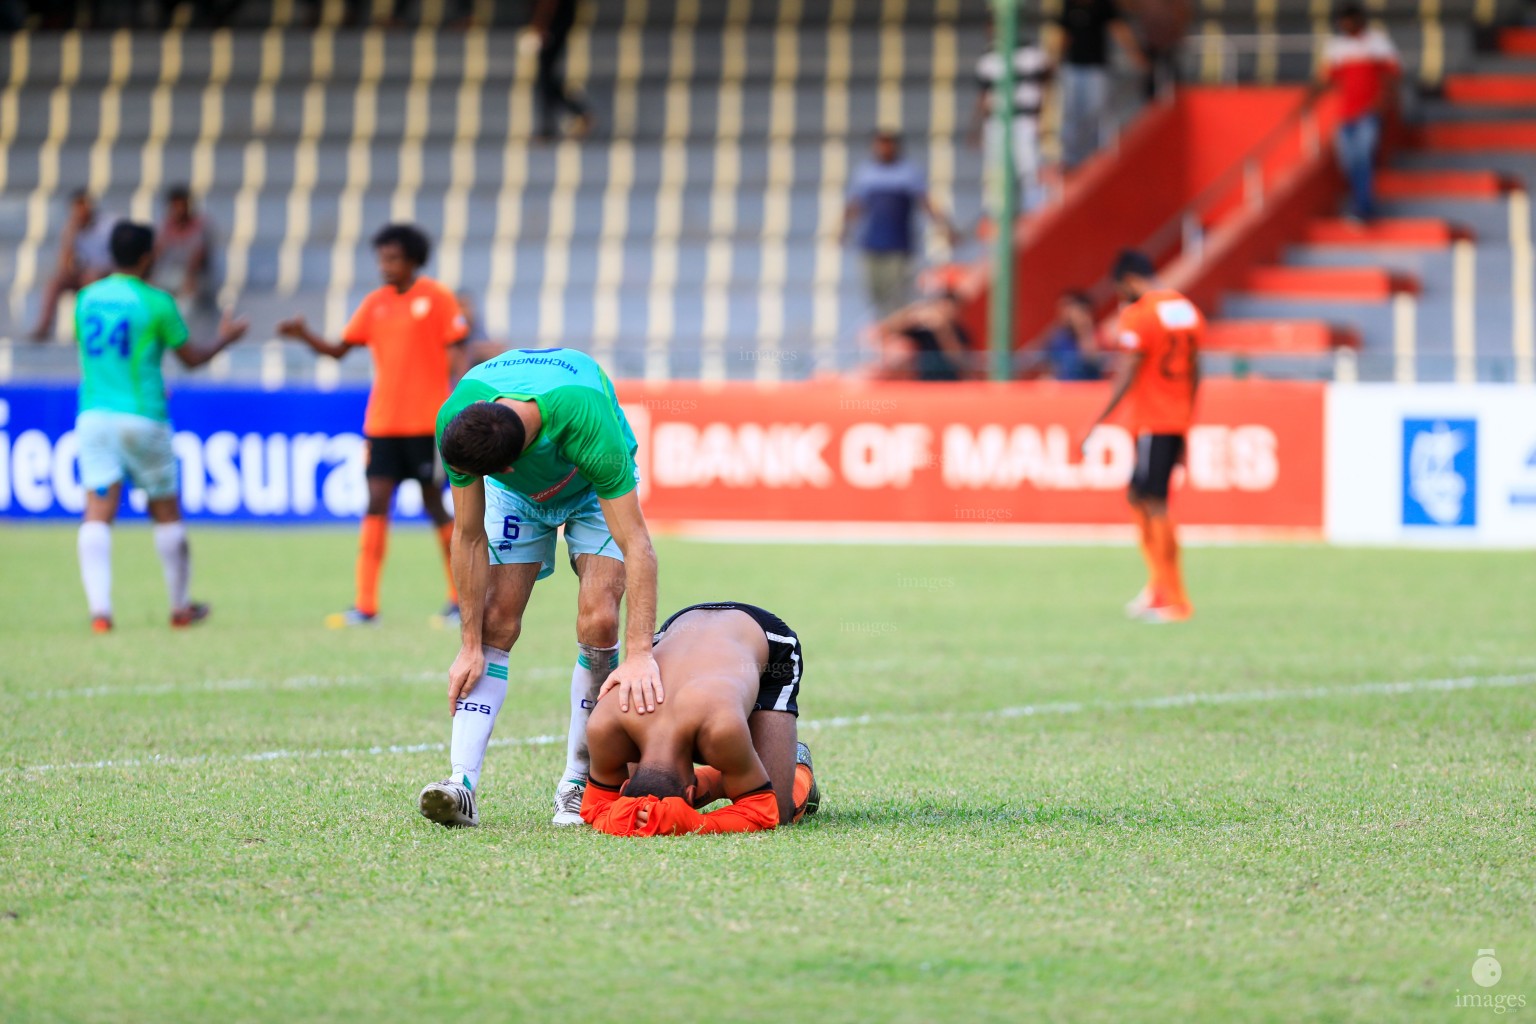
84	257
183	253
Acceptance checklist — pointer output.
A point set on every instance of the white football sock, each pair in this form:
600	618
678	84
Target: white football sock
475	716
593	664
95	548
175	559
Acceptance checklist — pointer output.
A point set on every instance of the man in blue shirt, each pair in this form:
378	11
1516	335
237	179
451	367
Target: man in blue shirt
884	197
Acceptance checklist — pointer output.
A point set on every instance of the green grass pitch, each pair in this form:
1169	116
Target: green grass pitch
1296	845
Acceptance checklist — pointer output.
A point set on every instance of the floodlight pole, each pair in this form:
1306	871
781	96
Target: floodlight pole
1000	326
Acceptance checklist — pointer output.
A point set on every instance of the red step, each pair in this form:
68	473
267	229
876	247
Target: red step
1502	136
1399	232
1342	284
1277	337
1518	41
1440	184
1492	90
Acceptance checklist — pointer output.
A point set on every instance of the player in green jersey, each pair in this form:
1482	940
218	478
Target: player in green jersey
124	327
534	440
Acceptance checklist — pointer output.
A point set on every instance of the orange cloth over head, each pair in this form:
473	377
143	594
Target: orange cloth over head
607	811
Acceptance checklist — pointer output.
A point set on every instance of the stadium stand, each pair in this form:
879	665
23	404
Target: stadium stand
694	234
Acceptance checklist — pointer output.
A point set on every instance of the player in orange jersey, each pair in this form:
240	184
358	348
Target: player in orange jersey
415	331
732	673
1161	332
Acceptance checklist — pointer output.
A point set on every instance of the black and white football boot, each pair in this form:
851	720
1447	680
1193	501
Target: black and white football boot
450	803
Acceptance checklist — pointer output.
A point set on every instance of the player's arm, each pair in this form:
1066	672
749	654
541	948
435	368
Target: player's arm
637	678
67	246
1124	377
470	563
297	328
231	329
852	211
726	744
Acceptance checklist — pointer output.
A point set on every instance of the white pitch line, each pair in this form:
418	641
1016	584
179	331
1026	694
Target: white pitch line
291	683
1164	703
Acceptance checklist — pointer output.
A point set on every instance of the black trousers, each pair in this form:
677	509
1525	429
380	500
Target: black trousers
553	97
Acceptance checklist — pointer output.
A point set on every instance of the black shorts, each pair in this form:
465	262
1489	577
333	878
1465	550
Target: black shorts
1156	455
779	682
404	458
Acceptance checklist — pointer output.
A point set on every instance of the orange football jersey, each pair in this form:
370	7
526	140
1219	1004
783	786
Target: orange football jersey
408	334
1167	329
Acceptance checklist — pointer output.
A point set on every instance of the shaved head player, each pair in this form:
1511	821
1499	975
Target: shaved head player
732	673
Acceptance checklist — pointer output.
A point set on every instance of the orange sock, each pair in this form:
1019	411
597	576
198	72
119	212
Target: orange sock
370	560
445	536
1144	536
1166	545
801	790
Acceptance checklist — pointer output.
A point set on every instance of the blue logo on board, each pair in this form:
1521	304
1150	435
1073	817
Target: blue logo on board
1440	472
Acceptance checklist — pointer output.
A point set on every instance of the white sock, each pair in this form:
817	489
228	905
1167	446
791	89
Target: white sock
475	717
593	664
95	548
175	559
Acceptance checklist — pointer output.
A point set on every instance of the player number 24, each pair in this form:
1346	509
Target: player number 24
99	340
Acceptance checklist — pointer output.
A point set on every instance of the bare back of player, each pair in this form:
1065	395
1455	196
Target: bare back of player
713	662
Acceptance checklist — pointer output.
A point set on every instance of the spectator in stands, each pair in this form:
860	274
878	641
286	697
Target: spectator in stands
85	255
183	253
1161	26
1081	52
1362	64
551	28
885	193
1031	78
924	341
1071	349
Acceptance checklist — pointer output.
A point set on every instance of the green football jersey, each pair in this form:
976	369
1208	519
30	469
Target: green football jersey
123	327
584	442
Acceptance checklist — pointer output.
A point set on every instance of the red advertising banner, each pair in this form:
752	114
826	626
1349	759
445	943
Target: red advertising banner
838	451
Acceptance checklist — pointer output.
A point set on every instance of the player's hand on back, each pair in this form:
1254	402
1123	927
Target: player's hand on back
638	681
467	669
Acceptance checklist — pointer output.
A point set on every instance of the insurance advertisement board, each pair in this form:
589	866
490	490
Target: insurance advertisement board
804	453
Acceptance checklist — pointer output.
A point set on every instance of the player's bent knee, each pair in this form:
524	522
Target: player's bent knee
500	631
598	627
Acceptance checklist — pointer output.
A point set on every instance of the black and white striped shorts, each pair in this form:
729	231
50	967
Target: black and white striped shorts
779	683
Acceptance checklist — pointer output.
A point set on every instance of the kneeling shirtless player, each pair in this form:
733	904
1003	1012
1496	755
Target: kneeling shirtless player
732	673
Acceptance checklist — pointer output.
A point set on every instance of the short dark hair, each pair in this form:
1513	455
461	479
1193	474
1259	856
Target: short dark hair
1349	11
410	238
178	193
656	780
79	194
1131	263
1077	297
484	438
130	243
